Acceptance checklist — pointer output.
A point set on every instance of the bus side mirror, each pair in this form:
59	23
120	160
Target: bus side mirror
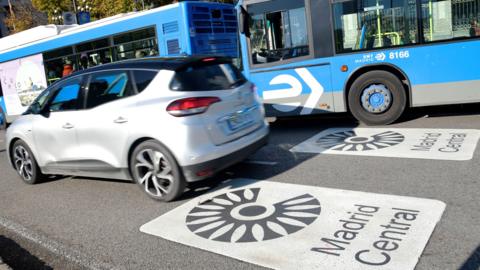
243	22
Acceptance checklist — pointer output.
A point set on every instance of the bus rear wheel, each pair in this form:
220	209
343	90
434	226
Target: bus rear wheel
377	98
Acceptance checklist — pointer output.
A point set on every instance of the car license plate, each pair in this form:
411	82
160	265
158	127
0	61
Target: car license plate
239	120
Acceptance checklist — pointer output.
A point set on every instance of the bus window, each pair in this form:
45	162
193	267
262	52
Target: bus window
136	44
93	53
369	24
444	20
279	34
59	63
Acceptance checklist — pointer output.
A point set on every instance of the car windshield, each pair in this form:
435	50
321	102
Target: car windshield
208	78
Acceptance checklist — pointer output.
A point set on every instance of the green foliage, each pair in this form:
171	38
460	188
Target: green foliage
23	17
101	8
49	6
107	8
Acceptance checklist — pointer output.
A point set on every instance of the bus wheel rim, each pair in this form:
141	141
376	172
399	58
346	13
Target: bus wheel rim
376	98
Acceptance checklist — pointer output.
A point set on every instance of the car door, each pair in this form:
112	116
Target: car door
103	131
54	129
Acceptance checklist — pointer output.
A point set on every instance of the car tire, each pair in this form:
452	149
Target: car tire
377	98
156	171
25	163
3	120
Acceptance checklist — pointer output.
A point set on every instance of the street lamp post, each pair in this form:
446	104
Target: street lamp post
74	6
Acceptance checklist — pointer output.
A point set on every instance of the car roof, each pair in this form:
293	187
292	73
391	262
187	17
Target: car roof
153	63
159	63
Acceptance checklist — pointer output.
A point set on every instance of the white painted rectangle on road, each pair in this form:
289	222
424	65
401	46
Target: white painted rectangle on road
440	144
288	226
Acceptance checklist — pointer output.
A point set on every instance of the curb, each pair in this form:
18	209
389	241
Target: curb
54	247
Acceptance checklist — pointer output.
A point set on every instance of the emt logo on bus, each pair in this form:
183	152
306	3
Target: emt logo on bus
295	90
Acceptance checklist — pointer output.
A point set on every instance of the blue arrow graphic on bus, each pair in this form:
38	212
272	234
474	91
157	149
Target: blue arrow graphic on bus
295	90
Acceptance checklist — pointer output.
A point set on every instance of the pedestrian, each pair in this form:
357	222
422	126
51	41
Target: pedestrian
140	54
67	68
84	62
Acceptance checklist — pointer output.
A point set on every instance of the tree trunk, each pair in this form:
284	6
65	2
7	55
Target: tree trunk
12	13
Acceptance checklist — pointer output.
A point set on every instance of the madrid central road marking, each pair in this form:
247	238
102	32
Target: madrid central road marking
287	226
440	144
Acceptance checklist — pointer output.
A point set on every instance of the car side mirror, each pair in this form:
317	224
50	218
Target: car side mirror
45	112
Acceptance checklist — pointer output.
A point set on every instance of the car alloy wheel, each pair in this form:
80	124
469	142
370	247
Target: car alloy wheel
23	163
154	172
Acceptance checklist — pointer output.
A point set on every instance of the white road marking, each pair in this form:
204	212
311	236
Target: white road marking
287	226
440	144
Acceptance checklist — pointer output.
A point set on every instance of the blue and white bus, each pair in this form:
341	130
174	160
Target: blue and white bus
373	58
33	59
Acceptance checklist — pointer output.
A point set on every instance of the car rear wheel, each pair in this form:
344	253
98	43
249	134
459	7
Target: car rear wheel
25	164
377	98
156	171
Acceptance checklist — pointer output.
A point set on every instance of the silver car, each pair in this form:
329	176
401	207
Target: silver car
160	122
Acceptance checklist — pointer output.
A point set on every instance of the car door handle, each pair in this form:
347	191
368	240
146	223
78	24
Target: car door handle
68	126
120	120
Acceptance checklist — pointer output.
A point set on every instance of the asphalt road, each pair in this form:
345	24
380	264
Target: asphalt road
100	219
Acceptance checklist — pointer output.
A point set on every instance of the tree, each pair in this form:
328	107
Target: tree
50	6
23	16
101	8
107	8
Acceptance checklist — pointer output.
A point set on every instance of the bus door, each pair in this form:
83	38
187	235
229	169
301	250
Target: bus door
280	55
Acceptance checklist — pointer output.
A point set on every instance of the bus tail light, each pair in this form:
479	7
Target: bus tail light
191	106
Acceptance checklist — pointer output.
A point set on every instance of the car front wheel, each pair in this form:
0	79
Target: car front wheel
25	164
156	171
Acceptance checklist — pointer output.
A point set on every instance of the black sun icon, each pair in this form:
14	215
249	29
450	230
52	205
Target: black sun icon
350	141
237	217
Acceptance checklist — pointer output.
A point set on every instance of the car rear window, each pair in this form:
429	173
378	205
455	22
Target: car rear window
207	78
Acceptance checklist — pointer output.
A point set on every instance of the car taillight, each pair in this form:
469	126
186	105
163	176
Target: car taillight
191	106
